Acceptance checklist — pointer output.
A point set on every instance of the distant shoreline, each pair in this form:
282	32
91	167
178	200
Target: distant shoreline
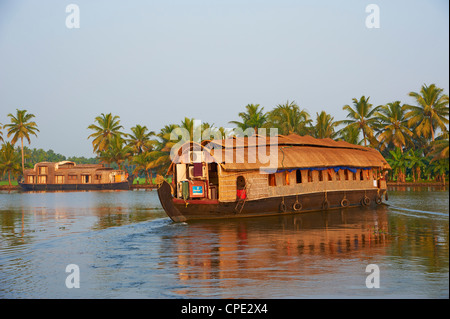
154	186
132	187
417	184
9	188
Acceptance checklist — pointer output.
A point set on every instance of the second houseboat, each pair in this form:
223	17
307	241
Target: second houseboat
67	175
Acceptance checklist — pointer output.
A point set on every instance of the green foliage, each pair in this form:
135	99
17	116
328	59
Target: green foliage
9	161
361	117
288	118
413	138
20	128
107	126
253	117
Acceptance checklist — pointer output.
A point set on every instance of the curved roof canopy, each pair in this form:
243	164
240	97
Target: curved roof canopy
281	152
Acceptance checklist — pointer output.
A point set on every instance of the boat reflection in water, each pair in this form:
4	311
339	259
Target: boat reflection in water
257	250
126	247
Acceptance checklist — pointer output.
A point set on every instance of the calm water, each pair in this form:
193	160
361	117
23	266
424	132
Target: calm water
126	247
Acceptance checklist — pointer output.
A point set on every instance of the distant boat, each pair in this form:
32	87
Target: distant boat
309	175
67	175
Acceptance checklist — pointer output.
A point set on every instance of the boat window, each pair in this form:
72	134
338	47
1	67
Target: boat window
240	182
310	177
272	180
43	170
361	176
72	177
85	179
30	179
330	174
320	176
338	175
240	188
354	176
42	179
213	174
59	179
346	174
286	178
298	176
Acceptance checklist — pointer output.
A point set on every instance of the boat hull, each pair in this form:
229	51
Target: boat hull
74	187
180	210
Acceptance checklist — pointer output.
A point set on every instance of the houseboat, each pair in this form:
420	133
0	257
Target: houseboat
67	175
222	179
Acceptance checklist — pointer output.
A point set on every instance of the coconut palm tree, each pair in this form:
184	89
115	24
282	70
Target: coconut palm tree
141	161
224	132
325	126
416	162
430	113
209	131
398	162
393	126
1	133
349	134
440	147
140	139
254	117
117	152
160	156
438	168
361	116
108	127
289	118
9	161
21	127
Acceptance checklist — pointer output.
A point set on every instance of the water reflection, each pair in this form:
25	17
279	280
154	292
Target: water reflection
283	248
128	248
29	217
433	188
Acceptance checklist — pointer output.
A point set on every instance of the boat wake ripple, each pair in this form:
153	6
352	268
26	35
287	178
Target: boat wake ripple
417	213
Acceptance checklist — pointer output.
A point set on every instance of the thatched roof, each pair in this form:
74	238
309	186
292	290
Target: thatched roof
68	166
283	152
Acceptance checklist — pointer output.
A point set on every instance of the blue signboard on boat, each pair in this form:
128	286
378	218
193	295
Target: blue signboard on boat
197	190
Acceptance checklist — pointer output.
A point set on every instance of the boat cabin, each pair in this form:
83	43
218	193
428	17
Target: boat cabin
67	172
258	167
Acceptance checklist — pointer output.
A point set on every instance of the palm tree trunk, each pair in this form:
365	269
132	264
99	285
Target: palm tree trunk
23	162
364	137
9	178
432	133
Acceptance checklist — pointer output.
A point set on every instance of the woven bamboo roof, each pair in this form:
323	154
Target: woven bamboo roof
61	167
284	152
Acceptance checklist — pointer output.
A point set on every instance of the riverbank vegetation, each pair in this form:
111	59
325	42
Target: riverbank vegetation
412	137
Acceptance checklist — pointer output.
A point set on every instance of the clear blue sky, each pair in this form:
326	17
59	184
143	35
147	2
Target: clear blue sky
155	62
